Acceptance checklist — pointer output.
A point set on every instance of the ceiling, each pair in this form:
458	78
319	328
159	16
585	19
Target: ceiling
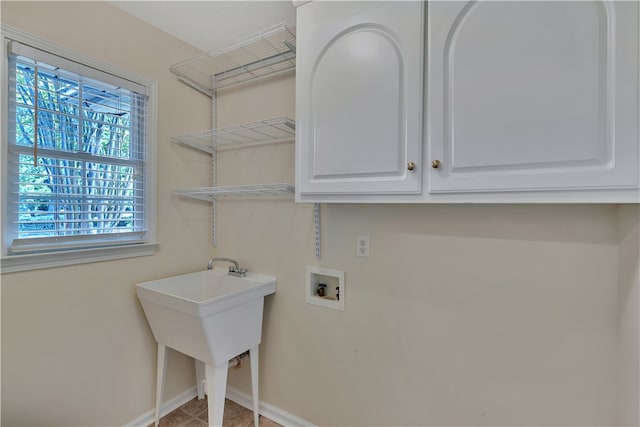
211	25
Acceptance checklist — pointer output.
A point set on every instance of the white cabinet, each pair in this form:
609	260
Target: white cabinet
532	95
359	98
487	101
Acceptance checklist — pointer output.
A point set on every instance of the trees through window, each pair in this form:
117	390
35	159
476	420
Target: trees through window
76	156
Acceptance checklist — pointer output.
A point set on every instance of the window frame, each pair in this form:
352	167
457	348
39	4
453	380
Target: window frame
31	261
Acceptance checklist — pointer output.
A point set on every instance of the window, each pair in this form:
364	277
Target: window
77	157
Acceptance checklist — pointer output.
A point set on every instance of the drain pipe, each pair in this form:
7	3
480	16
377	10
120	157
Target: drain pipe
236	362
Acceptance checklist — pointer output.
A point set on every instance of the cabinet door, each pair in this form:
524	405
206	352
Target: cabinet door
533	95
358	98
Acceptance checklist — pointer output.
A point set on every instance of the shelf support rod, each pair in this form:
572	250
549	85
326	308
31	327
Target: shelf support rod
206	91
291	47
214	160
316	221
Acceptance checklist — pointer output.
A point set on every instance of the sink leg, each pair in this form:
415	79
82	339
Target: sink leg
161	371
216	390
200	378
253	355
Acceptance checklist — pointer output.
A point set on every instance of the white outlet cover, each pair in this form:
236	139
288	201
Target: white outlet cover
362	246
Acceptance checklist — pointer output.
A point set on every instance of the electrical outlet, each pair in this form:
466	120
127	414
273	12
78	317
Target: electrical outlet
363	246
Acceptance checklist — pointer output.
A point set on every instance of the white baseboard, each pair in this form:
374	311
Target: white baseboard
267	410
169	406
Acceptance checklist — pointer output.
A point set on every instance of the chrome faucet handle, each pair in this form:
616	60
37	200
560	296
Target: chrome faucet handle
238	272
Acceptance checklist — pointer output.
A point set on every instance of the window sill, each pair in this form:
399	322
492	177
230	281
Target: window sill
15	263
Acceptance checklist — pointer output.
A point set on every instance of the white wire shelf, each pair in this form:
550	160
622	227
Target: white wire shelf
208	194
270	131
258	55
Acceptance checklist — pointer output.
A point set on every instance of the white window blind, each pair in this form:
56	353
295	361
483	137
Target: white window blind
76	155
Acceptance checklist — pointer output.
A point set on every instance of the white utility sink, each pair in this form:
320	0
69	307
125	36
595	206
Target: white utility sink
211	316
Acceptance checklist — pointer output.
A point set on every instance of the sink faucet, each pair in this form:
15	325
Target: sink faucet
234	270
212	260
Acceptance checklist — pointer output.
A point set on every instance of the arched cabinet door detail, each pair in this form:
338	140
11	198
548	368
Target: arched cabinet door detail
370	66
358	98
533	95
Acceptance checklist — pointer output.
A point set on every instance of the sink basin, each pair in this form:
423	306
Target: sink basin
209	314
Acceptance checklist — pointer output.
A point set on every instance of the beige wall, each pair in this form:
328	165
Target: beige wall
76	348
462	315
629	315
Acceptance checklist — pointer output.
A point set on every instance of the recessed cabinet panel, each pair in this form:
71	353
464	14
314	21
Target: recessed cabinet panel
564	100
533	95
359	98
341	129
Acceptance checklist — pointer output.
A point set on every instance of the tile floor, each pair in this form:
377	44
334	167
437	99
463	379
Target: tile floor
194	414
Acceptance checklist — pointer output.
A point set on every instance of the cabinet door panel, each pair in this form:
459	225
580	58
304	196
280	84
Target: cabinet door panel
533	95
359	97
363	58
